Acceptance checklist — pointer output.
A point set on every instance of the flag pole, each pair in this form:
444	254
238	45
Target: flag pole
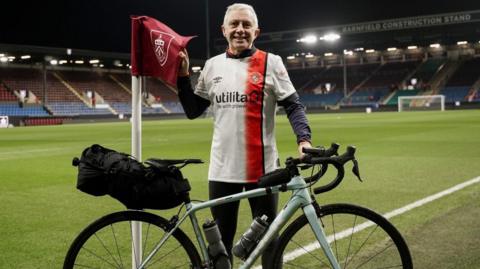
138	83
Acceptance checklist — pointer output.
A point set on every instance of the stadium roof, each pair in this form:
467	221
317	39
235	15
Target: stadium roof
105	25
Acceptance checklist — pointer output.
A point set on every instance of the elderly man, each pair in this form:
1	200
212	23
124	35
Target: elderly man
243	87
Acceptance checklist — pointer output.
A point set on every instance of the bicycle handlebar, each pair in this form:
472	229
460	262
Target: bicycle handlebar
314	156
338	162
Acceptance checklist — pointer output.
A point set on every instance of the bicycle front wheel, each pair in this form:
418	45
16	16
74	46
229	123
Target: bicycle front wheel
358	237
107	243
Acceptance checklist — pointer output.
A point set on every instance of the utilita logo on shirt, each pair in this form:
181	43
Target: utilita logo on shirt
236	97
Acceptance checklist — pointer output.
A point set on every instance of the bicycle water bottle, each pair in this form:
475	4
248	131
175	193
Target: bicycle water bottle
216	248
250	238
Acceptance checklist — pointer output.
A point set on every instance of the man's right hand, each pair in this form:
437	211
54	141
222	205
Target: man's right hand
184	65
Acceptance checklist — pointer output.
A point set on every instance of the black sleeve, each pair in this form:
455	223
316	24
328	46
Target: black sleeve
296	115
192	104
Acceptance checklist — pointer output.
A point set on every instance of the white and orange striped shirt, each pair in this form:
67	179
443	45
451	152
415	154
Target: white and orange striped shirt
243	93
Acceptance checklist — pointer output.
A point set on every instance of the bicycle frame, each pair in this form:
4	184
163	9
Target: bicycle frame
300	199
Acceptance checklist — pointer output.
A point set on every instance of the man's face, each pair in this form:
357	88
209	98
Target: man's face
240	31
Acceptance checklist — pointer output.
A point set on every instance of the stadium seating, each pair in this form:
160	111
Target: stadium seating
467	74
390	74
6	96
366	97
394	99
14	109
455	93
427	69
459	86
75	109
43	121
321	100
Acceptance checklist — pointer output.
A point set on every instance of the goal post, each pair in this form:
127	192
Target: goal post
4	122
421	102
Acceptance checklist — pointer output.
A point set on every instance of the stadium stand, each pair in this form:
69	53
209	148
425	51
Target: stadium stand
6	96
459	86
426	71
393	100
161	98
104	90
390	74
14	109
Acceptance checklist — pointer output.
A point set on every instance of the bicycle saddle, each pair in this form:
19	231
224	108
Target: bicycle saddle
165	163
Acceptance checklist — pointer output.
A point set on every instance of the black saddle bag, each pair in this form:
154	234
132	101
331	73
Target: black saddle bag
104	171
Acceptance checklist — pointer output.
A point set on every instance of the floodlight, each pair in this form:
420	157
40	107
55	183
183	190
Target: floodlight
62	62
309	39
436	45
11	58
3	59
330	37
53	62
94	61
69	51
347	52
392	49
291	57
24	57
309	55
79	62
359	49
328	54
412	47
196	69
462	43
2	55
370	51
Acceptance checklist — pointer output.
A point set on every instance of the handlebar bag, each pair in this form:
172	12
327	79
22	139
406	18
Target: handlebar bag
104	171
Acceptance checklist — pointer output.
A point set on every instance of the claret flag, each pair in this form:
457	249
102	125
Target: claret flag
155	48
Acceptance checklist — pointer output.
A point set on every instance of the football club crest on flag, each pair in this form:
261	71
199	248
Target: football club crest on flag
161	44
155	48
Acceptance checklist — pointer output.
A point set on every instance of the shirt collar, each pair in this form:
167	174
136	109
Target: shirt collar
243	54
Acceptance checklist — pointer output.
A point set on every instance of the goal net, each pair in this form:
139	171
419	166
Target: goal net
421	102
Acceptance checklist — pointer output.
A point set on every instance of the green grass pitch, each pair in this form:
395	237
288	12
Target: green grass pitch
403	157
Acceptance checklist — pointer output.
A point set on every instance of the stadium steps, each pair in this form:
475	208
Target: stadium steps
6	95
411	74
476	85
70	88
387	99
359	85
440	78
124	87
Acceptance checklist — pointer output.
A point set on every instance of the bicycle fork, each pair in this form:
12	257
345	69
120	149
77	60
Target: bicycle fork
317	228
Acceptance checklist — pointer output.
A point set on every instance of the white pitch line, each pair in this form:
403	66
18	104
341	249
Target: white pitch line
315	245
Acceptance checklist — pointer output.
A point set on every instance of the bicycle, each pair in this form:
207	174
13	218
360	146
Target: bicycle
343	235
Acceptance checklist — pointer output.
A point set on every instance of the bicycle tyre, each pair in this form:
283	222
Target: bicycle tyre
368	248
106	243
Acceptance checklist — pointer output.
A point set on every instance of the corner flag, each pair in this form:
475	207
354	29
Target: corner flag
155	49
154	53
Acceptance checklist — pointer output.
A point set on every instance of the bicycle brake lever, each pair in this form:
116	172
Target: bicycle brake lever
355	170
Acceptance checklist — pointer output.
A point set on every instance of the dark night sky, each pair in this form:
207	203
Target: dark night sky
104	25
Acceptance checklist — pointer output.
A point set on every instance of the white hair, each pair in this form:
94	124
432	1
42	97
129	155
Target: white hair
240	6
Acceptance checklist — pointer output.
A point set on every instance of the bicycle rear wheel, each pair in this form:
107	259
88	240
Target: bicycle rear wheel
107	243
358	237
